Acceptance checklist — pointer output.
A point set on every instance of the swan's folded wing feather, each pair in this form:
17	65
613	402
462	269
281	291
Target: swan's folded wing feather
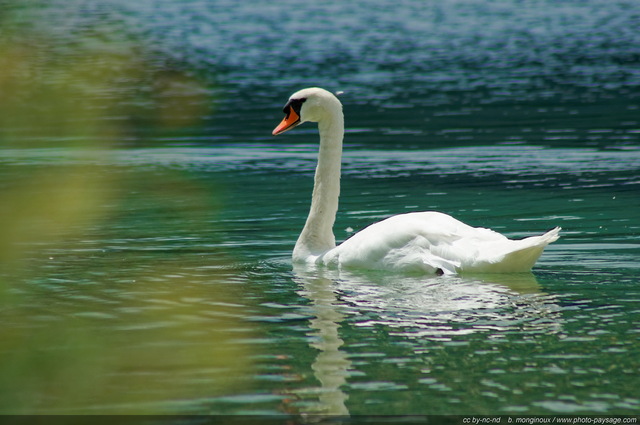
426	241
435	242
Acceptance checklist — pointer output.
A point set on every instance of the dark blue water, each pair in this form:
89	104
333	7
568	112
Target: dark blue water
148	215
427	71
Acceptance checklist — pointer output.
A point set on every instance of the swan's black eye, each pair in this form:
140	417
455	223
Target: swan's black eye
296	104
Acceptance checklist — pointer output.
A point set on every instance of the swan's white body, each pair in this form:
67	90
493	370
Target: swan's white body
428	242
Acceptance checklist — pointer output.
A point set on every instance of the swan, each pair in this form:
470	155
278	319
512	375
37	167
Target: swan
417	242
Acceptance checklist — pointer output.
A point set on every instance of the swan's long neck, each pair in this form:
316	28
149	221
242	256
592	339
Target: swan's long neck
317	236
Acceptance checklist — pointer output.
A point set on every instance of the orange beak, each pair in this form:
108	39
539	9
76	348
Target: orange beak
291	120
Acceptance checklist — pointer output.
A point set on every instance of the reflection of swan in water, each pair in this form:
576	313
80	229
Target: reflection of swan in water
443	307
437	308
331	364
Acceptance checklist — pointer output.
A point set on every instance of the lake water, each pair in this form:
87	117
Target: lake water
148	215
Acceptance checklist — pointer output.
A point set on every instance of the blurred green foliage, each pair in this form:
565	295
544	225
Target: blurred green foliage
99	86
88	342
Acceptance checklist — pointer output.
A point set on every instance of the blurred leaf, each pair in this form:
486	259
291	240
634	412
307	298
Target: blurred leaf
84	330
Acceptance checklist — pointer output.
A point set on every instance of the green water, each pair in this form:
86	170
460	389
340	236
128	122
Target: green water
147	216
189	250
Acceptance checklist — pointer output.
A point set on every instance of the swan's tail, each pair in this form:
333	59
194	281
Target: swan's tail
528	250
551	236
542	240
519	255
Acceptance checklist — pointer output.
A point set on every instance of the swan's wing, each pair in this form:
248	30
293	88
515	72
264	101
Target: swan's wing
421	242
432	242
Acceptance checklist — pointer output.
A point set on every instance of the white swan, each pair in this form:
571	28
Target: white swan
425	242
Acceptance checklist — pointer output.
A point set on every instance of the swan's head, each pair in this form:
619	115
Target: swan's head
312	104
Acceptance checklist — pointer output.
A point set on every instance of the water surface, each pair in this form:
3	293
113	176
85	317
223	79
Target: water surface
148	216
